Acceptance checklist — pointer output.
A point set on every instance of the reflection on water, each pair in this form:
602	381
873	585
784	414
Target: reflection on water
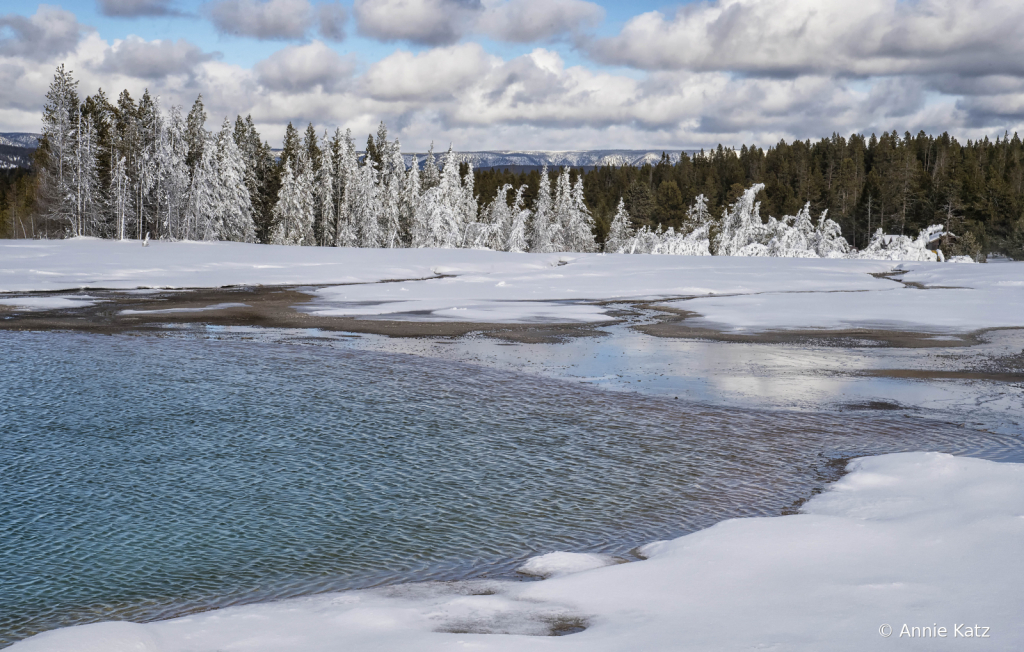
143	477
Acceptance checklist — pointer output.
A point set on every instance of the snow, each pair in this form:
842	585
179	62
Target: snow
916	539
556	564
487	286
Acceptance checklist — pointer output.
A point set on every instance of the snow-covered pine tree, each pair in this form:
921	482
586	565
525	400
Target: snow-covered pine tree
410	213
233	205
325	196
347	234
391	179
561	212
306	216
120	196
445	206
494	225
295	205
468	207
516	238
173	175
431	176
89	197
365	205
578	233
620	233
540	231
740	227
58	144
698	214
288	205
202	215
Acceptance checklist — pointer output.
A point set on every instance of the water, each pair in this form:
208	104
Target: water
147	477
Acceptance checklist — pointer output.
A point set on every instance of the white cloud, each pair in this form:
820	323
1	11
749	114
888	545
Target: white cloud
303	67
428	22
848	37
463	93
332	18
267	20
50	32
525	21
443	22
133	8
136	57
435	74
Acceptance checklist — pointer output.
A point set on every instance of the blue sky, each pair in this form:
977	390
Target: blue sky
539	74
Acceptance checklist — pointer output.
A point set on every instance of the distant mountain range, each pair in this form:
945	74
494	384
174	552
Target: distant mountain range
20	139
16	149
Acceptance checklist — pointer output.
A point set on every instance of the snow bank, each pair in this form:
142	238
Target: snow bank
915	539
555	564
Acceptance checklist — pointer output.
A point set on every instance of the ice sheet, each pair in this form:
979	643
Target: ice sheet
915	539
47	303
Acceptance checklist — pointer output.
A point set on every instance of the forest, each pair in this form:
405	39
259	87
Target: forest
124	169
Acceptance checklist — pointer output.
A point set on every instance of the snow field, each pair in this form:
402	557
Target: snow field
916	539
739	293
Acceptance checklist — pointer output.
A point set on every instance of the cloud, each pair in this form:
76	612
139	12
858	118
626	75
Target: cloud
444	22
434	74
525	21
854	38
133	8
269	20
136	57
50	32
332	18
427	22
301	68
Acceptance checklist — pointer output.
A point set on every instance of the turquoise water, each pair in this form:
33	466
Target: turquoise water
146	477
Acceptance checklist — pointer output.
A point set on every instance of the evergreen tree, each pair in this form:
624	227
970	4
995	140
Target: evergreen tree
60	192
233	207
541	240
621	231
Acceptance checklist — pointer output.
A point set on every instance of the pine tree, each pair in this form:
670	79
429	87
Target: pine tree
195	134
347	234
234	206
540	234
431	175
172	176
579	229
516	238
561	213
120	196
59	147
325	198
621	231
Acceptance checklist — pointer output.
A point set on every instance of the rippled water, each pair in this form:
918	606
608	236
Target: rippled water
144	477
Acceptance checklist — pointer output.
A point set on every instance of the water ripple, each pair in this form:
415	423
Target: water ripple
142	477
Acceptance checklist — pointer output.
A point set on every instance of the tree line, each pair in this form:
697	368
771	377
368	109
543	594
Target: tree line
125	169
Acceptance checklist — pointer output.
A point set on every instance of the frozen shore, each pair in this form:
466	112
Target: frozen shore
924	540
729	294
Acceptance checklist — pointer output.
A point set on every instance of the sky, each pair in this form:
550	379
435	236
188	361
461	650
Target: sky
538	74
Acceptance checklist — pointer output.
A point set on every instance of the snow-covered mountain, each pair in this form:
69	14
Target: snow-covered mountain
16	149
588	159
20	139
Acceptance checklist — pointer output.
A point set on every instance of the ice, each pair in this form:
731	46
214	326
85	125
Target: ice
48	303
922	539
216	306
555	564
